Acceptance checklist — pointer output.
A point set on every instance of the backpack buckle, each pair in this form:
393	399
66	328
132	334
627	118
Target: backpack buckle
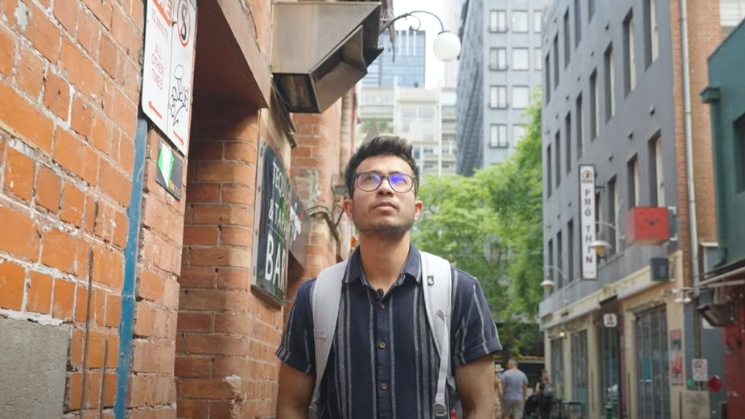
431	280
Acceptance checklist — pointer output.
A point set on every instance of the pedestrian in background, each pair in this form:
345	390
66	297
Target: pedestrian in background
515	392
498	392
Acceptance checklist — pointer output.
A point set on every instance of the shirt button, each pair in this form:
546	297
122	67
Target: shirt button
382	305
384	386
381	345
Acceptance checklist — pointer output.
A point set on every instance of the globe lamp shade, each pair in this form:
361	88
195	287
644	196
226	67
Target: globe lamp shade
446	46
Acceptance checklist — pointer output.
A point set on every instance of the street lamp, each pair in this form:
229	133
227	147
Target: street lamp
446	46
548	283
601	246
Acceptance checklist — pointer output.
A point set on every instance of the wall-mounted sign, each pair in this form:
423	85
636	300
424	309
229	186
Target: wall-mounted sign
170	170
299	230
272	224
587	219
610	320
168	68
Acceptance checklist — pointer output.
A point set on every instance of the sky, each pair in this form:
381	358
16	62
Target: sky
434	67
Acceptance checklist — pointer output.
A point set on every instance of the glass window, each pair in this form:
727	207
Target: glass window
656	173
498	136
556	60
570	251
580	129
537	20
567	49
519	21
520	97
731	13
538	59
580	387
629	53
577	23
740	153
633	182
653	364
549	183
590	10
568	136
557	367
520	59
498	21
594	109
610	84
557	151
651	41
498	58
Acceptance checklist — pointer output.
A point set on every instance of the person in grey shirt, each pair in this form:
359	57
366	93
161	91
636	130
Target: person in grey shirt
515	387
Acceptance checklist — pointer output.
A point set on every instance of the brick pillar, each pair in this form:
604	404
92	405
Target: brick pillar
225	360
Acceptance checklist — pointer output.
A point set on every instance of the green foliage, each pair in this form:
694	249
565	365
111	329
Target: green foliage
490	225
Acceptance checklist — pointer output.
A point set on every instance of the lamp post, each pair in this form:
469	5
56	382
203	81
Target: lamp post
601	246
548	282
446	46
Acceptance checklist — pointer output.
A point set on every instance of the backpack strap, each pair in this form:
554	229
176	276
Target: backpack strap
438	290
325	297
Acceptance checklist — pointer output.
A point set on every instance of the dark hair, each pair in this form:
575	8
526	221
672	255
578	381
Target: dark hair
380	146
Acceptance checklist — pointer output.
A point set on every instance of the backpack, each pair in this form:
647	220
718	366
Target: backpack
325	298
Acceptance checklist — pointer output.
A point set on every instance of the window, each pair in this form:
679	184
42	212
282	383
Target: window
653	365
740	154
610	84
557	144
547	74
519	21
518	132
731	13
568	136
570	250
590	10
498	97
520	97
551	263
580	362
497	21
651	40
656	174
498	136
567	50
633	182
498	58
577	23
594	111
520	59
580	129
549	174
537	21
560	258
556	60
598	213
613	216
538	59
629	53
611	362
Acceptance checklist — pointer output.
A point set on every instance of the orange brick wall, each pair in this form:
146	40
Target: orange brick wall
69	86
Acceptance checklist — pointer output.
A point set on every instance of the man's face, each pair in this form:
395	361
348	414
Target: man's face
383	211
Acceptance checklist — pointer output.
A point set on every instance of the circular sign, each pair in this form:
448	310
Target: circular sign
183	22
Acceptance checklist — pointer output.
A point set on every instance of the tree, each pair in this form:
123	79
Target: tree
490	225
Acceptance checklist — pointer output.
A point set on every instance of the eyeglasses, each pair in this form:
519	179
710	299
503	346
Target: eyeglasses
371	181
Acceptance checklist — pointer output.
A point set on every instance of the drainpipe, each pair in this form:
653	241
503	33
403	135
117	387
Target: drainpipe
689	169
345	152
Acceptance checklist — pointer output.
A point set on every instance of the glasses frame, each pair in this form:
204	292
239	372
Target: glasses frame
384	178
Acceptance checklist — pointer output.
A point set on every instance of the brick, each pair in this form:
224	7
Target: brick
205	150
192	388
120	229
68	151
48	187
126	35
200	235
30	72
73	200
190	366
89	32
150	286
144	356
57	94
43	33
217	301
216	345
193	409
102	9
108	267
40	293
7	51
80	70
126	155
63	303
233	279
101	130
114	184
113	310
145	323
193	277
236	236
24	119
238	194
194	322
233	323
108	55
65	252
19	174
81	116
221	172
222	214
203	193
125	113
241	151
12	285
20	236
67	14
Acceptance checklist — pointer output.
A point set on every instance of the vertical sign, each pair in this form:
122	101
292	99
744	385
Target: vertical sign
676	358
587	218
272	224
170	37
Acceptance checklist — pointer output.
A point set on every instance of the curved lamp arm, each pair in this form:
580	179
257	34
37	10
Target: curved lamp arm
405	15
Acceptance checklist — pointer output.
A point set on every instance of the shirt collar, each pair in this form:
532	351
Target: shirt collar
411	268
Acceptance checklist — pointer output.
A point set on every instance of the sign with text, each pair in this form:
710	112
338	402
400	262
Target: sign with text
168	68
272	224
700	369
587	219
610	320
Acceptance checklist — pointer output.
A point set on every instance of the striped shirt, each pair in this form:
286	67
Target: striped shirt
383	361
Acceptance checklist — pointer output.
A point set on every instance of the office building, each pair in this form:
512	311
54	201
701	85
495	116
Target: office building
402	62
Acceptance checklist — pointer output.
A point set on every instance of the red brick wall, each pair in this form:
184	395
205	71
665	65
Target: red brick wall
69	80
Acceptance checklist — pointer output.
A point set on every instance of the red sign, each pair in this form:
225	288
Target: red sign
647	226
714	383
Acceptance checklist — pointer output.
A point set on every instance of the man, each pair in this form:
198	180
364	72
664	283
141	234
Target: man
515	384
383	361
